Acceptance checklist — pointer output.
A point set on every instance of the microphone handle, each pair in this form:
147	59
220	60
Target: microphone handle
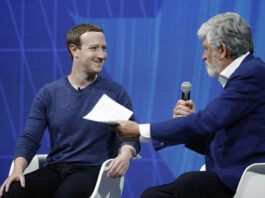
185	95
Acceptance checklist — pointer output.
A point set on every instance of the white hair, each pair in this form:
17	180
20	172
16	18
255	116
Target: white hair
228	28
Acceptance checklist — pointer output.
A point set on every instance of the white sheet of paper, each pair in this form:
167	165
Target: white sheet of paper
107	110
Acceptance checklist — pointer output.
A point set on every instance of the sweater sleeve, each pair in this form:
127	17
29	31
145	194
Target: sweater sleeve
29	142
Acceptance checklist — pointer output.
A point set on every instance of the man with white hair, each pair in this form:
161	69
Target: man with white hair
230	131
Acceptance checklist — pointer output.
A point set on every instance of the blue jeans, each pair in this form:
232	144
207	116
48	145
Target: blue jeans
57	181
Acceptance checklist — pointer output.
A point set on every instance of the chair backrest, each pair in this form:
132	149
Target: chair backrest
36	162
106	187
252	182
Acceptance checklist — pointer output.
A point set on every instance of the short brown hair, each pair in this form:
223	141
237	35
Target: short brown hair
73	36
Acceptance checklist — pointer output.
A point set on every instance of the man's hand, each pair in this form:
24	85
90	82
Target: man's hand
183	108
119	166
127	130
15	176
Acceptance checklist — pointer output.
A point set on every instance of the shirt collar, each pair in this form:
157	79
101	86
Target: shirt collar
229	70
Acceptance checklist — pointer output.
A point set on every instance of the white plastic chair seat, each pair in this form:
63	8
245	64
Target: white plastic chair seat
105	187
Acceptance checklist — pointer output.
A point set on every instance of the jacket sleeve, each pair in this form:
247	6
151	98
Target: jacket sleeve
240	97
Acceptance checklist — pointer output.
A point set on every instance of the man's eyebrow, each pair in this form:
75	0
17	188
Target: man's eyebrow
95	44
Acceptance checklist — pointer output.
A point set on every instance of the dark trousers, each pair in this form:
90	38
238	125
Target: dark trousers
197	184
54	181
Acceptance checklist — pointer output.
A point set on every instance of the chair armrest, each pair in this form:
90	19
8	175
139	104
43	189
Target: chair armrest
107	187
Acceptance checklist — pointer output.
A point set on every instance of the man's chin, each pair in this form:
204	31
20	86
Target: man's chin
97	69
212	73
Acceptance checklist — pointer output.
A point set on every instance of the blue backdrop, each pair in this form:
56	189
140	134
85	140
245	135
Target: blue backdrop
152	49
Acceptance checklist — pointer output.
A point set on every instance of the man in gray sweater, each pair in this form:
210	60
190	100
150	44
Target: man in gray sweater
78	146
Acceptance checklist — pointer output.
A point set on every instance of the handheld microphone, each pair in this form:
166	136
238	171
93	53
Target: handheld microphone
186	88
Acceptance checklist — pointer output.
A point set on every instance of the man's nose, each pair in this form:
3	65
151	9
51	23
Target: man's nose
204	56
102	54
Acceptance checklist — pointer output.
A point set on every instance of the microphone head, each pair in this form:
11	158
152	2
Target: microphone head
186	86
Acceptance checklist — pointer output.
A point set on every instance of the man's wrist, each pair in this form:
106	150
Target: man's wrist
128	149
132	152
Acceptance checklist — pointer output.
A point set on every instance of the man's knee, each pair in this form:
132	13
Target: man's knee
187	179
6	195
186	183
15	191
148	193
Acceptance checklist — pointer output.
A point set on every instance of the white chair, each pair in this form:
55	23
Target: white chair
252	182
105	187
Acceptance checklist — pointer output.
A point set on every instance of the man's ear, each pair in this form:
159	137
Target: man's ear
223	51
73	49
